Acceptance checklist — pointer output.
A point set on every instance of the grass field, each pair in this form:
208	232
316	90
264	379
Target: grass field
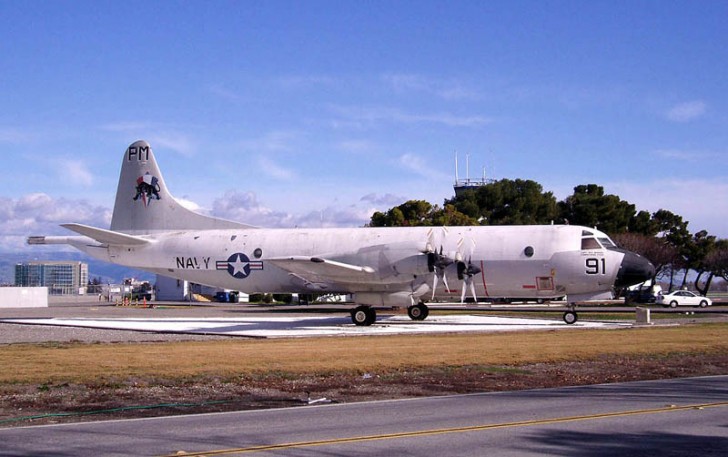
97	363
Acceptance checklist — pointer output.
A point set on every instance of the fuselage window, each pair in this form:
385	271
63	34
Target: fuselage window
589	244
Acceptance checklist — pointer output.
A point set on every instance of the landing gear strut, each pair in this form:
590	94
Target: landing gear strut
363	315
418	312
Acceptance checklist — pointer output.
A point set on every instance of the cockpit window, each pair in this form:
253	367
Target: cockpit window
586	233
590	243
607	243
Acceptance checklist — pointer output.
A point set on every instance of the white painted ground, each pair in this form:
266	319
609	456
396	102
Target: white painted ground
280	327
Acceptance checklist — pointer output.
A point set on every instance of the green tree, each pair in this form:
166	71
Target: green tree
643	223
673	230
589	206
450	216
507	202
409	213
716	262
414	213
701	246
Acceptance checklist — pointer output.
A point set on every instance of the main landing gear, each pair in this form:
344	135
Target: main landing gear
418	312
365	316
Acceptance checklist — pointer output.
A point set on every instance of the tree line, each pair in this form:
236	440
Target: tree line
662	237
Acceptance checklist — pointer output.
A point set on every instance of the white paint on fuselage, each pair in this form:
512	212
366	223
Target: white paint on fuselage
557	266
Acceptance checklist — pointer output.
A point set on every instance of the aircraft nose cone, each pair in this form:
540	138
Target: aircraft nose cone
634	269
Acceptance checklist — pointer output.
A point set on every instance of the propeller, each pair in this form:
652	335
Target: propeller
437	262
466	271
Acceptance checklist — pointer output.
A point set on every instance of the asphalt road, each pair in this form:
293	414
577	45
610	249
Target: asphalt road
666	418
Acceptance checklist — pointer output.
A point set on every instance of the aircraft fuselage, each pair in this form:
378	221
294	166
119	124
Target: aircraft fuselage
514	261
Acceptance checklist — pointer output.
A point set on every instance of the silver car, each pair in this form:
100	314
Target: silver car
683	298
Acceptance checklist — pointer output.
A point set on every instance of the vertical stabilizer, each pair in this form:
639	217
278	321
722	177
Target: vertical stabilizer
144	205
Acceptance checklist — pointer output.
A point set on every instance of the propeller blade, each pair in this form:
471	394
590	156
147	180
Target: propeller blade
434	286
472	288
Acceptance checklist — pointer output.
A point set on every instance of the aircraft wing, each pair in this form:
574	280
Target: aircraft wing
317	270
107	236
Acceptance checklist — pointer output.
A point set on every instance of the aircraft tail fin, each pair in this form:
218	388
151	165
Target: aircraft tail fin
144	205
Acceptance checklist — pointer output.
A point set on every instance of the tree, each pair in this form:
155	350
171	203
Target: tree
589	206
414	213
507	202
673	230
409	213
656	250
643	223
714	263
451	216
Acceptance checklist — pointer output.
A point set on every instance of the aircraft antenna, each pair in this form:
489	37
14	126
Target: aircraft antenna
467	166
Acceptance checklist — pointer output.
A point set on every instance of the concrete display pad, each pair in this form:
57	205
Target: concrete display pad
296	326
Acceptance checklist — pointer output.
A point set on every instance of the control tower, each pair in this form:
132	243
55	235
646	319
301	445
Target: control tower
462	185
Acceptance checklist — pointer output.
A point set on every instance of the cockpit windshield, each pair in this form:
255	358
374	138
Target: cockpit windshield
589	244
591	240
607	243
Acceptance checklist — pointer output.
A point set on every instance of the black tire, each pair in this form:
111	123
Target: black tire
570	317
363	316
703	303
371	316
418	312
673	304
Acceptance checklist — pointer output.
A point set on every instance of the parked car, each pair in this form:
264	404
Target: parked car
683	298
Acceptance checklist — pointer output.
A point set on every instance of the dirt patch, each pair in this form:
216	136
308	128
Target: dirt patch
26	404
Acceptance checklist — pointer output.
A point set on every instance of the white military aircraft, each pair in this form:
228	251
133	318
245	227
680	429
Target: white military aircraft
394	266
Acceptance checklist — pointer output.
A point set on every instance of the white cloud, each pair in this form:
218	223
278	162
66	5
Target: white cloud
76	173
363	117
445	89
275	141
177	142
245	207
159	136
388	200
306	81
14	136
224	93
687	111
357	146
416	164
40	214
273	170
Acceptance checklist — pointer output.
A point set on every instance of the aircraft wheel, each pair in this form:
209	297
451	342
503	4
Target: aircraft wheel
363	316
570	317
418	312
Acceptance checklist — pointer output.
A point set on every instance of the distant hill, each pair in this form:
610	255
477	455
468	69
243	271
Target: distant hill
107	272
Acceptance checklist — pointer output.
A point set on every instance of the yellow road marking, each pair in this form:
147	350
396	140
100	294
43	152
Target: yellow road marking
442	431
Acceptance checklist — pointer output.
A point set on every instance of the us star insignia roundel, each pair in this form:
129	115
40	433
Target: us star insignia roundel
239	265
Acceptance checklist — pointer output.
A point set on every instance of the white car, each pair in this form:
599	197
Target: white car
683	298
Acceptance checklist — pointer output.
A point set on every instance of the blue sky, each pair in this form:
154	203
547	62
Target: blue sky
317	113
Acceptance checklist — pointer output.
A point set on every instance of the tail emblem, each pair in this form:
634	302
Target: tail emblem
147	188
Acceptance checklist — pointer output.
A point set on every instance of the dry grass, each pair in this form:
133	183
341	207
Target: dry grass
92	363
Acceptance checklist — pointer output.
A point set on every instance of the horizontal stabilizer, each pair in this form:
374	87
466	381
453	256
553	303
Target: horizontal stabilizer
107	236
